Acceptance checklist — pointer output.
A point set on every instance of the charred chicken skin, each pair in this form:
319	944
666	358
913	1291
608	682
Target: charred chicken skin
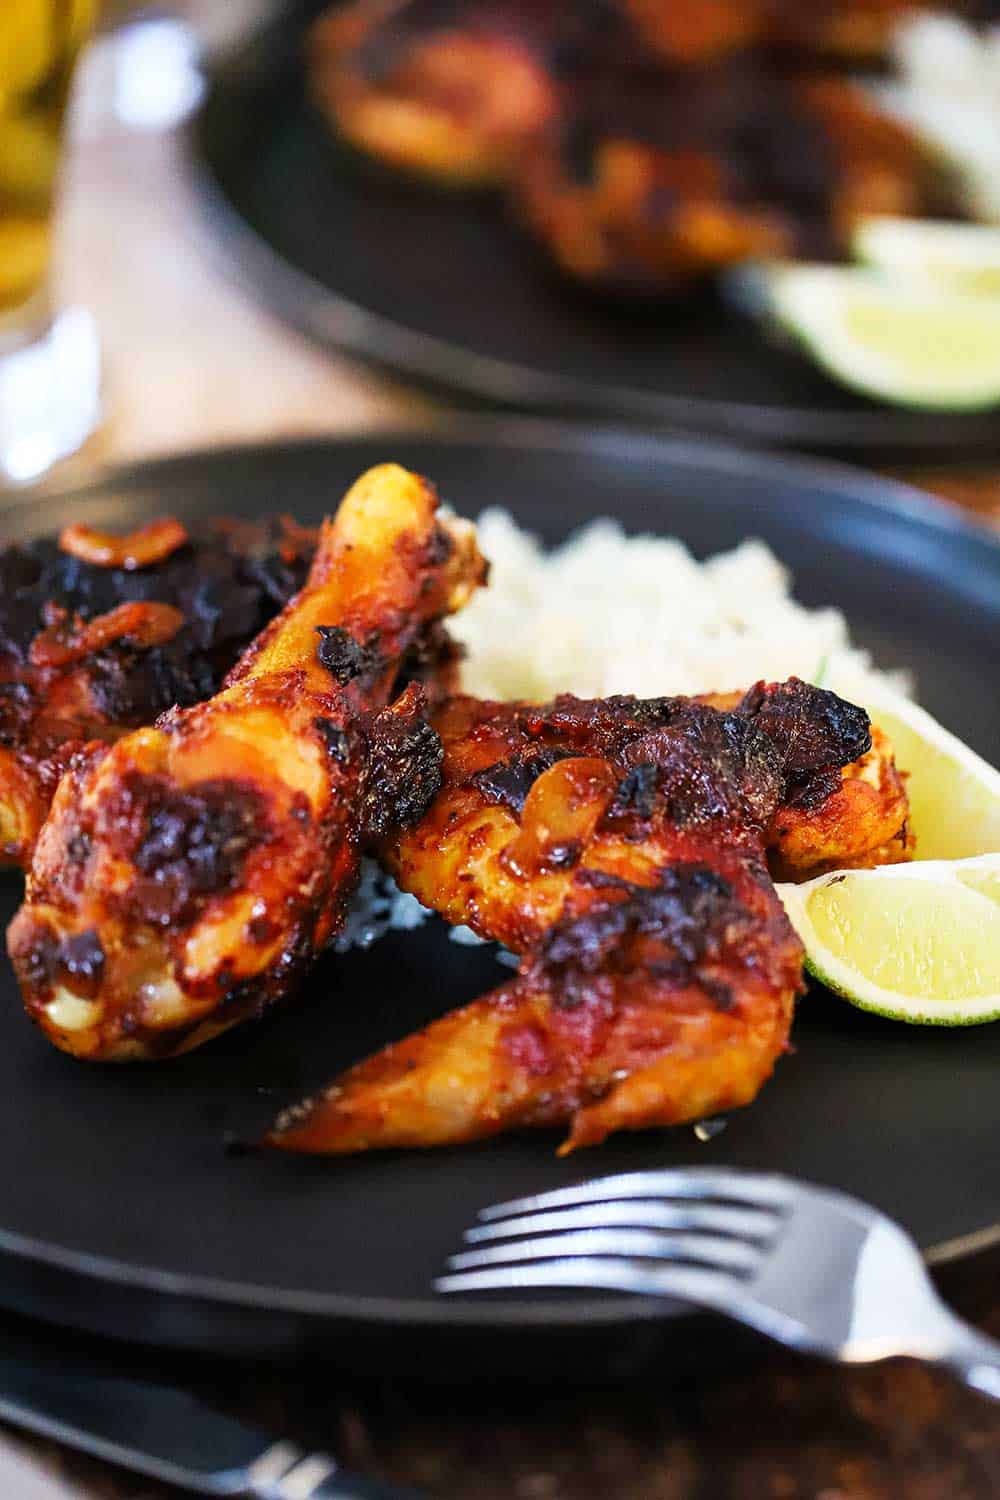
100	634
620	848
187	874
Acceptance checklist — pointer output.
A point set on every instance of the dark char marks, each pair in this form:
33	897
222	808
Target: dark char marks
507	782
188	843
692	912
347	659
403	768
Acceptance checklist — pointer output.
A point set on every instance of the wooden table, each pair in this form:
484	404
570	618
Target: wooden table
191	360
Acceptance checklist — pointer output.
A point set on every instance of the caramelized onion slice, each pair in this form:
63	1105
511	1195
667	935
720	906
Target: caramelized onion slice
143	624
138	549
560	814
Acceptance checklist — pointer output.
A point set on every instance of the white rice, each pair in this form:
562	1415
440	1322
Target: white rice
947	87
377	905
607	613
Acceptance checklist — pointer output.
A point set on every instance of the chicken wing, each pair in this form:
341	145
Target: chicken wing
188	874
100	634
619	847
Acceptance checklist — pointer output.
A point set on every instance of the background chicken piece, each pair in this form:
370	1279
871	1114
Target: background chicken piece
100	634
450	91
648	182
456	89
188	874
619	846
647	144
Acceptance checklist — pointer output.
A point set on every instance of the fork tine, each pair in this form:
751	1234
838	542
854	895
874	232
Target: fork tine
757	1189
710	1250
638	1213
686	1283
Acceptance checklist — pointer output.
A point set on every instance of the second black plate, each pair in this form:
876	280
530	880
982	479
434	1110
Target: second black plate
444	288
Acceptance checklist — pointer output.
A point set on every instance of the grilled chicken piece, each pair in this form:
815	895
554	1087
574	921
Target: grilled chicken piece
647	142
619	847
188	874
643	185
100	634
446	90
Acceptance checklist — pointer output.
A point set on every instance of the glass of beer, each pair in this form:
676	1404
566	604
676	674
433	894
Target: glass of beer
49	362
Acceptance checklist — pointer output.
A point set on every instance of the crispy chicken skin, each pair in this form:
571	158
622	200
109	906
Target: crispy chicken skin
863	822
619	847
188	874
100	634
854	819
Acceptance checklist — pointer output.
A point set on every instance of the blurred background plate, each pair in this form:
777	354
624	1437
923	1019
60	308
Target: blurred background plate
443	288
122	1211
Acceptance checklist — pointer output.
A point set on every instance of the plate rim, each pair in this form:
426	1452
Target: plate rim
455	428
334	320
857	485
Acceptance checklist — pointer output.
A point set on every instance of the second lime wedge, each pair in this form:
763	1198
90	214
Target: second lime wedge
924	348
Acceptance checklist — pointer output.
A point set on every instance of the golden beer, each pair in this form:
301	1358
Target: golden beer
40	41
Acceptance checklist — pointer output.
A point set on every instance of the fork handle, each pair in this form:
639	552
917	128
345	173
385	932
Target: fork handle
973	1357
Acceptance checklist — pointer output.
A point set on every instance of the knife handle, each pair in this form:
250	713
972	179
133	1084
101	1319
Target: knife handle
286	1472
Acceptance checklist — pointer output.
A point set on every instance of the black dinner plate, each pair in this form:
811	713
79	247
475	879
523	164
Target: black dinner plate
443	287
121	1209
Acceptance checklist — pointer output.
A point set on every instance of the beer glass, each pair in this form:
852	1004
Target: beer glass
49	361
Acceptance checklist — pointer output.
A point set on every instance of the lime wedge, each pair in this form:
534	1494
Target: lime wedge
954	794
917	943
915	347
933	253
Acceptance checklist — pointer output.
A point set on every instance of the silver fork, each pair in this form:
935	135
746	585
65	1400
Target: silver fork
810	1267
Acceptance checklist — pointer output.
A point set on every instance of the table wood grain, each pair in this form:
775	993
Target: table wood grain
192	361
